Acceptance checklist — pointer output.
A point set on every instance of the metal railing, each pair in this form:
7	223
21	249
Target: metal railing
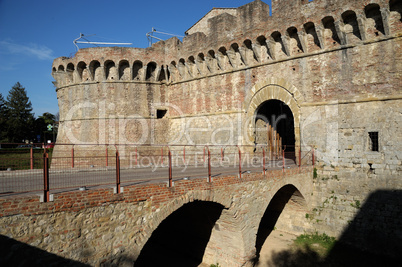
69	167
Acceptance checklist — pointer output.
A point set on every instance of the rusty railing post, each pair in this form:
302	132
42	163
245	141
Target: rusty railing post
107	159
283	160
117	173
239	161
170	169
162	156
184	155
136	157
221	154
209	166
278	149
263	159
299	157
32	158
313	157
45	177
72	157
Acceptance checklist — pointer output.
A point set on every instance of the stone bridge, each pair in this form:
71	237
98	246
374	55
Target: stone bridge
225	221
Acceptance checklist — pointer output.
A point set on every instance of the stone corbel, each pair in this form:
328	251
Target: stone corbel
232	58
242	52
361	22
257	51
271	48
165	73
320	32
188	70
169	78
182	70
173	73
200	66
339	31
141	73
302	39
385	20
157	73
211	64
220	60
285	43
102	71
76	76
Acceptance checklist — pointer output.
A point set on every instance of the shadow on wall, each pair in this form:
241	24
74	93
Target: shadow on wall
373	238
15	253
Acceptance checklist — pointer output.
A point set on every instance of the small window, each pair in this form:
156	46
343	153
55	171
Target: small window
373	141
160	113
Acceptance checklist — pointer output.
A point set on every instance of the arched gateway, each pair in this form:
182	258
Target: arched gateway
273	103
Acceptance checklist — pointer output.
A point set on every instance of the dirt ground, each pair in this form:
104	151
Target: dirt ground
277	241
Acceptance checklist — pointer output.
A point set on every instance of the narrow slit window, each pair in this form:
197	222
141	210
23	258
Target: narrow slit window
373	139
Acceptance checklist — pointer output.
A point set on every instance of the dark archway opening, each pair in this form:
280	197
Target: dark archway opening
277	114
289	198
181	239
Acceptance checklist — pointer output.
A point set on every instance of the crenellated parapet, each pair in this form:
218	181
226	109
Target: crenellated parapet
303	33
242	38
110	64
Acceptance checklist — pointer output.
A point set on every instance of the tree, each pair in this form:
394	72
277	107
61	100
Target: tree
41	124
20	118
48	118
3	119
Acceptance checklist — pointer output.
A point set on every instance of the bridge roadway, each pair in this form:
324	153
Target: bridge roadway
31	181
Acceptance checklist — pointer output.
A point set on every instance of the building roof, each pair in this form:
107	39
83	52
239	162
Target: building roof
214	8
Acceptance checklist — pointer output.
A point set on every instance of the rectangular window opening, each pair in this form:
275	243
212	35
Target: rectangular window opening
160	113
373	136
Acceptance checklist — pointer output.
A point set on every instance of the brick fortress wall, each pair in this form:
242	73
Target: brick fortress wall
336	64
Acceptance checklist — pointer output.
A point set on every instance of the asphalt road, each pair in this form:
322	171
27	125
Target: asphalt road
31	181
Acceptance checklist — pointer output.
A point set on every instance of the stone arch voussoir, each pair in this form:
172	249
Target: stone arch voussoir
269	89
169	207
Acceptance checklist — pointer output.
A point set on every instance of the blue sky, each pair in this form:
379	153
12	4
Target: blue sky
33	33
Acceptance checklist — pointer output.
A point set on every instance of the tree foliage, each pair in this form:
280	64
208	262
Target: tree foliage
20	118
41	124
3	119
18	123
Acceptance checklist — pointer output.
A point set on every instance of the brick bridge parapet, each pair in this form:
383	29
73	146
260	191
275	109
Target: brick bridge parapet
98	226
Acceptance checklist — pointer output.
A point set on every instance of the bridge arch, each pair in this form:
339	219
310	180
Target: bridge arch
286	211
168	214
181	239
272	89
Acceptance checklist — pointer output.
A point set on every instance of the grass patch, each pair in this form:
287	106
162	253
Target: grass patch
315	173
20	158
321	244
355	205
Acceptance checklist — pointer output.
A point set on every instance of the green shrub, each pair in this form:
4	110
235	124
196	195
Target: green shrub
325	241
